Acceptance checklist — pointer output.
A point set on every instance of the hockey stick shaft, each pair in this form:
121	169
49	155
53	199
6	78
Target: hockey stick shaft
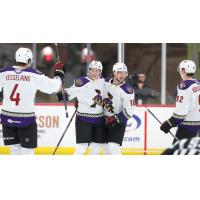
161	123
63	92
64	132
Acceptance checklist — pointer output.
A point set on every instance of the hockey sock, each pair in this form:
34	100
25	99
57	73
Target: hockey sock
27	151
81	148
95	147
15	149
114	148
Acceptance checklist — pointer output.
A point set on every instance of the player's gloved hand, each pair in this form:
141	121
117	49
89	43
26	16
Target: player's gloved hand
166	126
59	69
60	96
112	121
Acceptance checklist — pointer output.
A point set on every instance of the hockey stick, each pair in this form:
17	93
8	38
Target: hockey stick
161	123
63	92
64	132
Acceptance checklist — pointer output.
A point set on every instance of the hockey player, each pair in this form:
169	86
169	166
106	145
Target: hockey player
119	103
19	84
187	112
89	118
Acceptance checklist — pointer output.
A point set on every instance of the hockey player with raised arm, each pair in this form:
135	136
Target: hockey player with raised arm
20	84
187	112
119	103
89	121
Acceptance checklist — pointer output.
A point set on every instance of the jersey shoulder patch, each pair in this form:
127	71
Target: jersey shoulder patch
127	88
183	85
81	81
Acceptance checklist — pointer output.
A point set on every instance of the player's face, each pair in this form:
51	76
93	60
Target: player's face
94	74
121	76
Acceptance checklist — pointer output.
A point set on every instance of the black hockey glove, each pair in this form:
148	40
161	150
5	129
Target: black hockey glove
59	70
167	125
60	96
112	121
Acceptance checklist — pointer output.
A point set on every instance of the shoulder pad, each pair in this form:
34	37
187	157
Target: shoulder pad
81	81
183	85
127	88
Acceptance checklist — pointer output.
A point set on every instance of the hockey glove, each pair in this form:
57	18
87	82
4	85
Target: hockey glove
60	96
167	125
59	69
112	121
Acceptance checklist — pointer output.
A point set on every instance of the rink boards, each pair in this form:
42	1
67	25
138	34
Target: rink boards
142	136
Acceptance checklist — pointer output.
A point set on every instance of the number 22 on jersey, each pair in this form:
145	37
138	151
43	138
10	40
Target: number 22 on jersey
15	96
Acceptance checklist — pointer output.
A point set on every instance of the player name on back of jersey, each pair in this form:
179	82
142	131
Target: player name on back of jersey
18	78
196	89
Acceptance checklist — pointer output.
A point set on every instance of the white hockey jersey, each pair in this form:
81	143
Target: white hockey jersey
187	111
89	95
118	99
19	88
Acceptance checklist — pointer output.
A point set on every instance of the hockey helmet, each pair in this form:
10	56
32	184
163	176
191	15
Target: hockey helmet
120	67
96	65
24	55
188	65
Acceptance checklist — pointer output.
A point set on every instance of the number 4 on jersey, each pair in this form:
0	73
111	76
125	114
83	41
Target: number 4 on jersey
15	96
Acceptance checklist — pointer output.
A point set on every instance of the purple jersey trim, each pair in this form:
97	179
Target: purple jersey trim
90	120
11	68
183	85
192	129
127	88
17	121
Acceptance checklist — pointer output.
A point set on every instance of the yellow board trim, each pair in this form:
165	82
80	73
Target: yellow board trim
70	151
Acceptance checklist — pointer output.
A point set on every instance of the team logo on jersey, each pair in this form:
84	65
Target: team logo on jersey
97	99
108	104
78	83
130	90
182	85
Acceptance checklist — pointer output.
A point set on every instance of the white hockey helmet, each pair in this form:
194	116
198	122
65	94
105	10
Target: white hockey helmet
24	55
120	67
95	65
188	65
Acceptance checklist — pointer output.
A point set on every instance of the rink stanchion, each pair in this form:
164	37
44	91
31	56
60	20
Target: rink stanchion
64	132
161	123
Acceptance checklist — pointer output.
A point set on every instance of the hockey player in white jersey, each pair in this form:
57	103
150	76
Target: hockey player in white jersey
187	112
89	118
119	103
20	84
